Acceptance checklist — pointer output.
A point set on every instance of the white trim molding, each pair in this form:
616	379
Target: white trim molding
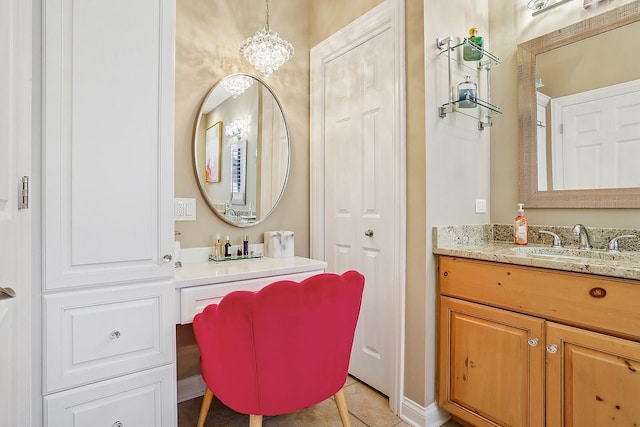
419	416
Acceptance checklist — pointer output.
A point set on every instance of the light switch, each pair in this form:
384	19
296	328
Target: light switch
184	209
481	206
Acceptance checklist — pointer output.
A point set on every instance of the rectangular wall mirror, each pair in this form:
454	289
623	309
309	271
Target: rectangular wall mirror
579	114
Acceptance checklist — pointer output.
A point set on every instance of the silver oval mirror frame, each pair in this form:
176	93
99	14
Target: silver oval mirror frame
241	150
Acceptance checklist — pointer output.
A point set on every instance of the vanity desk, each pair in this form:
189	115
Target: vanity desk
199	284
535	335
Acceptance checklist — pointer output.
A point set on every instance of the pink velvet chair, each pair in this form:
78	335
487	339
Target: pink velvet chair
281	349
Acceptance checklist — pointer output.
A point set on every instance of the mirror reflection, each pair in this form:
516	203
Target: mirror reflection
241	150
589	121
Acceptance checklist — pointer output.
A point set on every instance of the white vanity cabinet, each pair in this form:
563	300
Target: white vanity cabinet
204	283
107	151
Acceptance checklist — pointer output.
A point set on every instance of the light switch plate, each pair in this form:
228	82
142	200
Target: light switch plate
481	206
184	209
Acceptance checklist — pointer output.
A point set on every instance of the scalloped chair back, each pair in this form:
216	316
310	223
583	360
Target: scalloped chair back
281	349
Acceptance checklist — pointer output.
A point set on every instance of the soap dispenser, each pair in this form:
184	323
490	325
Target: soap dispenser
521	227
472	50
467	93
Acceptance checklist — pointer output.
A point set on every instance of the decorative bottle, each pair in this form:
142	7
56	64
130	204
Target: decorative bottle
245	245
227	248
472	50
521	227
467	91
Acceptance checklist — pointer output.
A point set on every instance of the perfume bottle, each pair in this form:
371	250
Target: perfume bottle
472	50
467	92
227	248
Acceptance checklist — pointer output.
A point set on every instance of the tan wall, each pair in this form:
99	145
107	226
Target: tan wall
208	35
330	16
510	25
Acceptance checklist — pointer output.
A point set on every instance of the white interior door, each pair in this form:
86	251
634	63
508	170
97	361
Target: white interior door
358	184
597	143
15	69
359	189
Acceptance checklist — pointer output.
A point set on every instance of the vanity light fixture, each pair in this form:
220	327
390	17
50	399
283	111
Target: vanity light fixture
539	6
237	84
235	128
266	50
589	3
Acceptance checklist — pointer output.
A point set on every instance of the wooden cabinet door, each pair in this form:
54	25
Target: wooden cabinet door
592	379
491	368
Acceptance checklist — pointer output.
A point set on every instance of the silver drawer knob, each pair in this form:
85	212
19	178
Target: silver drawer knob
369	233
115	335
552	348
533	342
117	424
167	258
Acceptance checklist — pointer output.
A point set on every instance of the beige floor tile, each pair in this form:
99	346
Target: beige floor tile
369	406
324	414
451	423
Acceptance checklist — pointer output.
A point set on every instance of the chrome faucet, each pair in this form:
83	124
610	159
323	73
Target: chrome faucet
557	243
580	231
613	243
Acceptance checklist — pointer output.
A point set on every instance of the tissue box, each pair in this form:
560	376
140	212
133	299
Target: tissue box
278	244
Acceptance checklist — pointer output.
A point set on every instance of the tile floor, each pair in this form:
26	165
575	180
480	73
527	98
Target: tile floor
367	408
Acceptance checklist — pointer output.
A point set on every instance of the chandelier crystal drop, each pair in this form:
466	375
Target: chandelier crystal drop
237	84
266	50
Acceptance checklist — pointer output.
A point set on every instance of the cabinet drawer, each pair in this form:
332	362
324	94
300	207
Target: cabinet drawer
141	399
98	334
194	299
595	302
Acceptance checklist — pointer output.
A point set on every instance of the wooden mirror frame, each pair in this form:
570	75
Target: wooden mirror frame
527	112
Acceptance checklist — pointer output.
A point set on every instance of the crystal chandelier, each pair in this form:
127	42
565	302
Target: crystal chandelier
266	50
237	84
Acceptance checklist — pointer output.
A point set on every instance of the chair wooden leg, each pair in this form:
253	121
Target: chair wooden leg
341	403
204	409
255	420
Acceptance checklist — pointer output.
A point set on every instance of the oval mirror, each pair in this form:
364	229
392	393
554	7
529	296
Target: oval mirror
241	150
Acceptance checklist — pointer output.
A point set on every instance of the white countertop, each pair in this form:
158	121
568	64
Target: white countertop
209	272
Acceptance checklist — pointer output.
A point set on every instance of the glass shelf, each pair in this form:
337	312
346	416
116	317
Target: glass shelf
487	58
479	102
233	257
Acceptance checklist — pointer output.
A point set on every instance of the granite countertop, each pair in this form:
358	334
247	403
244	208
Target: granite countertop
494	242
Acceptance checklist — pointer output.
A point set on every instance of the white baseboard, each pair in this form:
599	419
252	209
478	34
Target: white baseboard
190	388
419	416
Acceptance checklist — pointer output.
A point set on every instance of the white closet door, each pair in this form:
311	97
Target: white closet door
362	194
15	224
108	141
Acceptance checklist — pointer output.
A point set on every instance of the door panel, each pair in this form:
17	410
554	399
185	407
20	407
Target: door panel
360	185
597	141
489	373
15	152
105	220
592	380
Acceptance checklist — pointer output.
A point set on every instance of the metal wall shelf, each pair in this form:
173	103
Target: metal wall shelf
485	109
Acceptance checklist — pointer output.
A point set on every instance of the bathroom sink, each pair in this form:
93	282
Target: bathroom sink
576	254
